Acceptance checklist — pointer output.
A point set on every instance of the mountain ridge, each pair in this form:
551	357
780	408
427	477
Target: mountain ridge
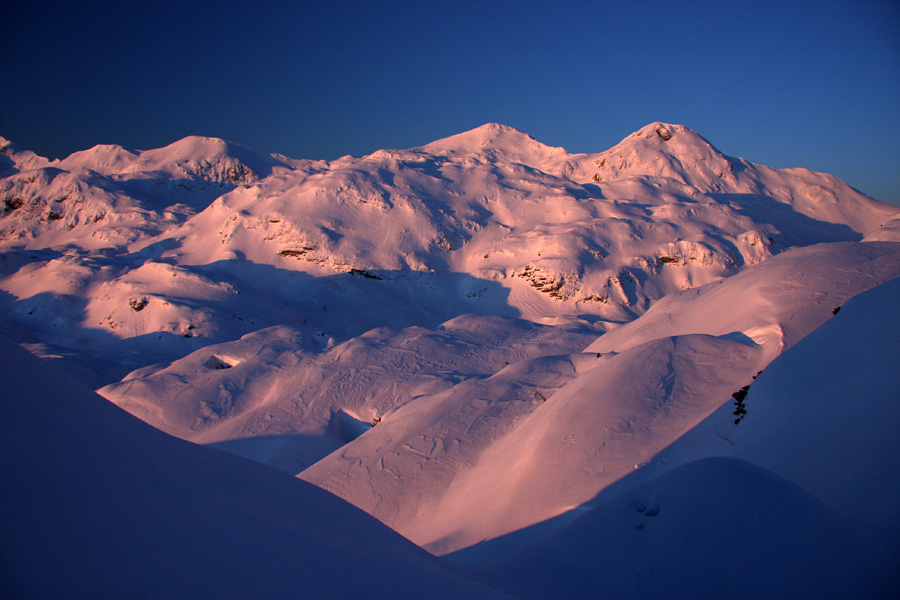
524	225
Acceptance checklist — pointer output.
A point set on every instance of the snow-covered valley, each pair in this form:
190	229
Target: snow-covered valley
653	371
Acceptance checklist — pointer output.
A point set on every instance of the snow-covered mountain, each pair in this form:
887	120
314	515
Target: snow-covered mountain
475	341
489	221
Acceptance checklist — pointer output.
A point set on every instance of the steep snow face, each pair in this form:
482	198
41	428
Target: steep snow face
153	516
713	528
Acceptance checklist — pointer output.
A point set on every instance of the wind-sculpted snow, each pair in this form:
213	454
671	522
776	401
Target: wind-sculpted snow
272	397
823	415
555	437
776	303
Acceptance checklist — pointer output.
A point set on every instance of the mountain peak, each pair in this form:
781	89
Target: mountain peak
671	136
14	158
103	158
665	150
487	134
496	141
665	131
497	128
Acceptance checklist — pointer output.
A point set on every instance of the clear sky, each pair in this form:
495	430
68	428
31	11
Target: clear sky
788	84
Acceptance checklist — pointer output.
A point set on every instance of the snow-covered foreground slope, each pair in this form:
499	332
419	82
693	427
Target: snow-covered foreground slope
814	516
97	504
267	397
452	469
824	415
713	528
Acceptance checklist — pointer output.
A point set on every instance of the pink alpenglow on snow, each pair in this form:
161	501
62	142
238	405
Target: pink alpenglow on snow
676	367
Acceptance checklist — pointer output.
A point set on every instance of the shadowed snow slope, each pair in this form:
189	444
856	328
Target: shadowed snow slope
97	504
714	528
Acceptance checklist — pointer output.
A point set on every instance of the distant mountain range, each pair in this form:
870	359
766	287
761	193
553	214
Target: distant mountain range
480	340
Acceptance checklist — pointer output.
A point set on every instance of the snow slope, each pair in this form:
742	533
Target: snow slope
452	469
776	303
664	151
713	528
824	416
275	397
97	504
814	515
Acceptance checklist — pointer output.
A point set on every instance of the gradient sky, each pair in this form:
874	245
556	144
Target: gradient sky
788	84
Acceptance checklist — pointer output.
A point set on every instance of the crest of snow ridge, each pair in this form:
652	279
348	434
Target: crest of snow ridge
660	211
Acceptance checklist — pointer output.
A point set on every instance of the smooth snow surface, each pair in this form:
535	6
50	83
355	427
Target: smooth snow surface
814	516
475	341
97	504
264	397
713	528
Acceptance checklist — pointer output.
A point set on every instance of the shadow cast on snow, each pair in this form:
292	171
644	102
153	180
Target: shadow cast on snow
332	308
797	228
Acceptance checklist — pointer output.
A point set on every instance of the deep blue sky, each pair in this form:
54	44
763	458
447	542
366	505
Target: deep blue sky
788	84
